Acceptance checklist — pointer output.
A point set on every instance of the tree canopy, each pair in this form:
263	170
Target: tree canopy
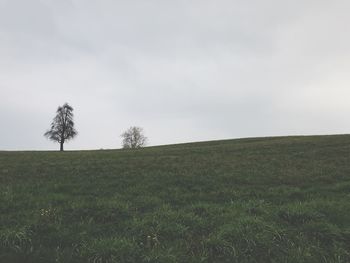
134	138
62	127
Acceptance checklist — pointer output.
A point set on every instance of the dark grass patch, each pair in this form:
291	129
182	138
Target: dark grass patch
252	200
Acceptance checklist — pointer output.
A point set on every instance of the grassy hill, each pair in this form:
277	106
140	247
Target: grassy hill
283	199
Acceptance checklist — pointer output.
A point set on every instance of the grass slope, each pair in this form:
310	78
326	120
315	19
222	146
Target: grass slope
283	199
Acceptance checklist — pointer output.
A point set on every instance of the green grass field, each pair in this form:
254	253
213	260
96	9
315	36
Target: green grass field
283	199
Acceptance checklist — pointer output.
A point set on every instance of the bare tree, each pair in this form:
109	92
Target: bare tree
134	138
62	127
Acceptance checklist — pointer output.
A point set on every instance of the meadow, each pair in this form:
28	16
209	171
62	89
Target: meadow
279	199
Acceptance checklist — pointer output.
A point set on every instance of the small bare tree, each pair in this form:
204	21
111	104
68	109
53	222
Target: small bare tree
134	138
62	127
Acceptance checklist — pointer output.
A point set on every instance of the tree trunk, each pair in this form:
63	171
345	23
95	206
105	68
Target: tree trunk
61	146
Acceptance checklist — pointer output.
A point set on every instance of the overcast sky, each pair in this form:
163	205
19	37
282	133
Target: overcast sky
185	70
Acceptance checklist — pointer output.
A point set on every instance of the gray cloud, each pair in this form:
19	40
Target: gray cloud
183	70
